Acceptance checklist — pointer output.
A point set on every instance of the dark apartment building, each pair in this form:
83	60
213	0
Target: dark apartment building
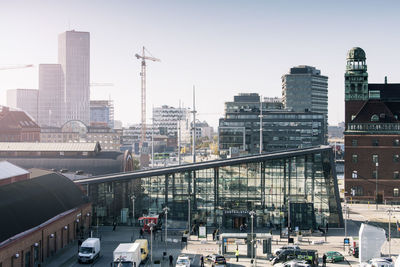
372	134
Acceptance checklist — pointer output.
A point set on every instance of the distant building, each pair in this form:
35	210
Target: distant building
10	173
41	216
85	158
282	129
102	113
24	99
51	100
74	57
166	118
336	131
372	134
16	126
76	131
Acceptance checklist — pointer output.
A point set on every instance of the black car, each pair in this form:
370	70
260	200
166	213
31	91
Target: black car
354	251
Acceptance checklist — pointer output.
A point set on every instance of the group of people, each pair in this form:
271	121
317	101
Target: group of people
243	227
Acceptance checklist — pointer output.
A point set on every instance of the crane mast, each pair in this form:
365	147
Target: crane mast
143	57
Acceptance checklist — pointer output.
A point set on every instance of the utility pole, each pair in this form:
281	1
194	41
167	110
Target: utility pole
152	143
179	133
390	215
194	126
261	126
376	185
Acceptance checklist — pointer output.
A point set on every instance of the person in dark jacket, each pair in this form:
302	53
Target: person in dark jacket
324	260
171	260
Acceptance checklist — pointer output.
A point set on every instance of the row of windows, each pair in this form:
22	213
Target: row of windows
355	175
375	142
375	158
359	191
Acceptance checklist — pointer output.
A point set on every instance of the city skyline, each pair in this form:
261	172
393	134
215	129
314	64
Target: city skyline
222	48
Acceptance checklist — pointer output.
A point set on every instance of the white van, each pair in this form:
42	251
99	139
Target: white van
89	250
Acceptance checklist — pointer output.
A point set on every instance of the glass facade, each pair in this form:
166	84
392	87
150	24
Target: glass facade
222	193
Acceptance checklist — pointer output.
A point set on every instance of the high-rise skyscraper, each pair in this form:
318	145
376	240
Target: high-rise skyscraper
51	103
24	99
305	89
74	57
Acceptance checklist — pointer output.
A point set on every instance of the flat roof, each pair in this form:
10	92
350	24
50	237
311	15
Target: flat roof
201	165
48	147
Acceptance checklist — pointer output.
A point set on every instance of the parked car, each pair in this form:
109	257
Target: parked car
183	261
334	256
293	263
216	259
380	262
279	250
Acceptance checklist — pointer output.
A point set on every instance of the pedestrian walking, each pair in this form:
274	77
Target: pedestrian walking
171	260
114	225
324	260
326	227
237	254
213	234
202	261
141	232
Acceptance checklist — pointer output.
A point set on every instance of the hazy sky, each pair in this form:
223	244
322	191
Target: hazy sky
221	47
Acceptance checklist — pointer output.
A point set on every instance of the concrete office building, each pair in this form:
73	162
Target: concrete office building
102	113
74	57
282	129
24	99
372	134
51	111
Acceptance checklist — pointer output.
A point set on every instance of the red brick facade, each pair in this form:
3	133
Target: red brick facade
16	126
41	243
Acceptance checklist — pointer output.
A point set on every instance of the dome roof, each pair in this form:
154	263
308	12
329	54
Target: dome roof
356	53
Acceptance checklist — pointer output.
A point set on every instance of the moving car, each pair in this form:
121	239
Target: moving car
294	263
279	250
334	256
308	255
216	259
380	262
183	261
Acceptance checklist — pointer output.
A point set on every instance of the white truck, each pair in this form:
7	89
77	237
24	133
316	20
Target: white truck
89	250
127	255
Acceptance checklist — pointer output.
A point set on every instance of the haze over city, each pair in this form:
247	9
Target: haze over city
222	48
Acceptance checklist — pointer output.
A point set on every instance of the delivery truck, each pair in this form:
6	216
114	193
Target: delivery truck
127	255
89	250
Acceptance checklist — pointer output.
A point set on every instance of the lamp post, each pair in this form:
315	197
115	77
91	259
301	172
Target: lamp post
390	215
133	209
252	213
166	209
288	221
345	217
188	218
151	225
376	185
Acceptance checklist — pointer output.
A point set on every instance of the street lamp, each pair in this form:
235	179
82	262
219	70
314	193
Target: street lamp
376	185
188	218
252	213
166	209
389	211
133	209
151	225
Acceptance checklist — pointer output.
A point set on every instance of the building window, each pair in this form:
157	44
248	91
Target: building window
396	142
375	142
395	192
375	117
354	158
374	158
396	158
396	175
354	142
354	175
357	191
374	174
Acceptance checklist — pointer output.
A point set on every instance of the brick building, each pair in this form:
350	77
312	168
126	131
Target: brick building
372	134
17	126
53	213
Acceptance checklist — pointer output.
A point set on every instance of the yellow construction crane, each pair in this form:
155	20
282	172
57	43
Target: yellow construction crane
143	57
9	67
